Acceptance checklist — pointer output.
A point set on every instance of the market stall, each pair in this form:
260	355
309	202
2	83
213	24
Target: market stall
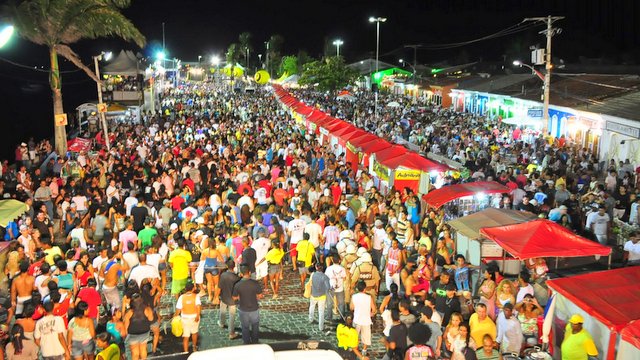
478	249
629	347
612	306
466	198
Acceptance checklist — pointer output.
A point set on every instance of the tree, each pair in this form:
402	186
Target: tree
274	53
288	65
58	23
233	55
245	46
303	59
329	74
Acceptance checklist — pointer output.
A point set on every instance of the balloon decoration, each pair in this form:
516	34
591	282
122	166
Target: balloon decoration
236	70
262	77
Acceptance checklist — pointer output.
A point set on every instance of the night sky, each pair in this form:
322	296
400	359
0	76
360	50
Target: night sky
608	29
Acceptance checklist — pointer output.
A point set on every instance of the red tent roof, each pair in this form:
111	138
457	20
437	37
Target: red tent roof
303	109
383	156
334	125
631	333
412	160
374	146
363	139
439	197
345	130
543	238
354	134
610	296
316	116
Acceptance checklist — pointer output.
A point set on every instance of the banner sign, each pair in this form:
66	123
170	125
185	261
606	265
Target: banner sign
60	119
407	175
352	148
381	170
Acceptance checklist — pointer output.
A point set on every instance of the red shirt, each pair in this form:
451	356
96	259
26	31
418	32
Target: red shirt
266	185
176	203
91	297
34	269
190	184
336	192
279	195
243	187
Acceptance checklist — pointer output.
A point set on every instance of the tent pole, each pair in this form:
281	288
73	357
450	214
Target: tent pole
556	263
504	261
609	262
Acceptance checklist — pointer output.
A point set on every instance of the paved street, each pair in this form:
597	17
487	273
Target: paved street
283	319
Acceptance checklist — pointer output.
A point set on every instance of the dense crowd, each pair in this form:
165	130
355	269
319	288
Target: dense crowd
220	194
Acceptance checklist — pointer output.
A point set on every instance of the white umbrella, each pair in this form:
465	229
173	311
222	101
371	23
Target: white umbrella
393	104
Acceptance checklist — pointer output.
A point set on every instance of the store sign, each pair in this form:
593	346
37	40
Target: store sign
491	249
534	113
623	129
381	170
352	148
324	131
407	175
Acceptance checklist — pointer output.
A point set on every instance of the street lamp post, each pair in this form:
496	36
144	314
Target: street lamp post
105	129
337	43
5	35
377	20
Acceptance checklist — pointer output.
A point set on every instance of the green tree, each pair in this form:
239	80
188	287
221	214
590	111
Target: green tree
57	24
244	42
234	53
275	52
303	59
328	74
288	65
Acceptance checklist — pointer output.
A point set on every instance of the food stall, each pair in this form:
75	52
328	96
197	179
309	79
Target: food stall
609	309
467	198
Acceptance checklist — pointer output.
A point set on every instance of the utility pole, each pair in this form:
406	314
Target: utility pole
415	53
267	58
549	32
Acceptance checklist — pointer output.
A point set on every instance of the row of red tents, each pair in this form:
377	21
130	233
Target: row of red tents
388	154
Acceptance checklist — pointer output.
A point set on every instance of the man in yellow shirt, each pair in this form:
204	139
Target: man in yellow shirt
179	260
480	324
578	343
348	340
305	251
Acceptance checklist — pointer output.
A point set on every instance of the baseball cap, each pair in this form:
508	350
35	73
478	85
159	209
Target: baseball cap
199	233
366	258
173	226
563	207
576	319
23	227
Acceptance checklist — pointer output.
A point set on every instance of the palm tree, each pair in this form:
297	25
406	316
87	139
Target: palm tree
233	55
59	23
245	44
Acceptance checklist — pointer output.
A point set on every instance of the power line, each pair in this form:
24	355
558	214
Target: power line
34	68
572	78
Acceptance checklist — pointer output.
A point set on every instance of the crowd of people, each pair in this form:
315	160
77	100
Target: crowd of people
221	194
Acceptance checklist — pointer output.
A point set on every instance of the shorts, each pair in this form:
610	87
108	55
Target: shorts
262	270
80	348
177	285
293	251
135	339
189	326
303	270
274	269
155	325
162	266
212	270
20	300
112	296
364	332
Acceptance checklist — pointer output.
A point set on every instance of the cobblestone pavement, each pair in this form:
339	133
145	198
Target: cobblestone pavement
282	319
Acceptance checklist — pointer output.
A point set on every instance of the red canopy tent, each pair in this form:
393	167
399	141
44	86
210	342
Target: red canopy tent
439	197
365	138
542	238
611	297
412	160
303	109
317	115
335	124
630	335
383	156
290	101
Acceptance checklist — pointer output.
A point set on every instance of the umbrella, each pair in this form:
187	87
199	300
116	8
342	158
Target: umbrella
393	104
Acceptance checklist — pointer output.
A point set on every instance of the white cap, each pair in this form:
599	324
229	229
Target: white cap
199	220
173	226
366	258
23	227
351	249
199	233
361	251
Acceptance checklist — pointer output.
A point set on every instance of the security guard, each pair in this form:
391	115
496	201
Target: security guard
368	273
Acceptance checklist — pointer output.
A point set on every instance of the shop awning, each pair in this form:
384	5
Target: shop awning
470	225
631	334
383	156
316	116
11	209
335	125
365	138
374	146
302	109
543	238
412	160
439	197
610	296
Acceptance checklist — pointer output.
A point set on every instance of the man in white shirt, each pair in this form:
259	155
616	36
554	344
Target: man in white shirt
130	202
50	334
261	246
364	308
337	275
632	249
599	223
509	331
295	230
144	271
315	232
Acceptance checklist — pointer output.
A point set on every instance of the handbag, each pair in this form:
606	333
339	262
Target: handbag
307	289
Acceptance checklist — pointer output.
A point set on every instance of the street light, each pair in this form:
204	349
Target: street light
5	35
337	43
160	55
401	61
215	60
105	130
377	20
533	70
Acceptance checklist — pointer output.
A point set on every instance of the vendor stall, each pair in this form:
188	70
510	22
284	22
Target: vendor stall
469	197
10	210
612	306
629	347
475	247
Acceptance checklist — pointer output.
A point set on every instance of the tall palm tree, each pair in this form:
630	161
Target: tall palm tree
244	41
233	55
58	23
